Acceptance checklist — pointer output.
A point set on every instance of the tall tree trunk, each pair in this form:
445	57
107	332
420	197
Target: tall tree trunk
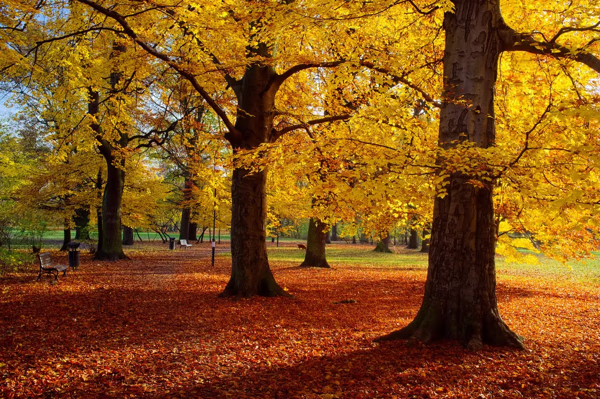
82	224
127	235
334	233
112	246
413	240
315	245
328	237
184	231
66	237
99	184
192	235
384	245
201	238
250	271
460	291
425	241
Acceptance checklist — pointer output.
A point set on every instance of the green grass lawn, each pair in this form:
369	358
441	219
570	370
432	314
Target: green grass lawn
360	255
586	272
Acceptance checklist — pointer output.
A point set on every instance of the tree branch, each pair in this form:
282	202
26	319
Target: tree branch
430	11
403	80
275	134
567	29
231	81
72	34
515	41
233	134
278	80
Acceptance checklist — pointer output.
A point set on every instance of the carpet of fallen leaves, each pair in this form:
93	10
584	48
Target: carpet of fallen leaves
153	327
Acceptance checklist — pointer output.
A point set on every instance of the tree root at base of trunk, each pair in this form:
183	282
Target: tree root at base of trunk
489	330
265	288
322	265
111	257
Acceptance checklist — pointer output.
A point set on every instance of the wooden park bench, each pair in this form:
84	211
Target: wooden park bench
184	244
48	266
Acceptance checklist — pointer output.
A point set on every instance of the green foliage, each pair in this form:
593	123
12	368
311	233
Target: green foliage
12	261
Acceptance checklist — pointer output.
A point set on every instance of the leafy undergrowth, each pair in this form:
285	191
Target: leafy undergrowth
154	327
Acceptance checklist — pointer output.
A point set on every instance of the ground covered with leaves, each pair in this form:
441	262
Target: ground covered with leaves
153	327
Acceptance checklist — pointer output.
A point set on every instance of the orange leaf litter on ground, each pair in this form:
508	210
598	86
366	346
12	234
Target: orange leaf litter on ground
153	327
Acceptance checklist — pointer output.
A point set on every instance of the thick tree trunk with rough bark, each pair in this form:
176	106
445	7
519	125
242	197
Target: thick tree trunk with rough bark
460	292
66	237
192	235
128	236
413	240
425	240
82	224
334	233
250	274
315	245
184	229
425	246
384	245
112	246
99	184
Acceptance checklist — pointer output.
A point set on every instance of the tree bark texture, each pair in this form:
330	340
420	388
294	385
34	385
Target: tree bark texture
413	240
82	224
460	291
192	235
184	230
112	247
250	273
99	184
334	233
384	245
128	236
66	237
315	245
425	241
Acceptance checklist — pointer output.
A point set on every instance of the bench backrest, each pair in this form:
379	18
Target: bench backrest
183	242
45	259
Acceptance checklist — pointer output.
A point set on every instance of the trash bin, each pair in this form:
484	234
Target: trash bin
171	243
73	254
